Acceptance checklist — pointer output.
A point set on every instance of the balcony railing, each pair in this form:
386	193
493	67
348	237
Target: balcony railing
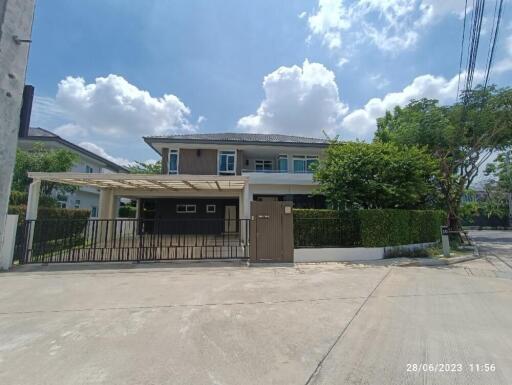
277	171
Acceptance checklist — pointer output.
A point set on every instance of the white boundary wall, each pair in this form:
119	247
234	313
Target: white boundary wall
7	251
352	254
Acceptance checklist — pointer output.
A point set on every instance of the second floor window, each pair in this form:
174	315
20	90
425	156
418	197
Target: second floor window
173	161
263	165
283	163
303	163
227	162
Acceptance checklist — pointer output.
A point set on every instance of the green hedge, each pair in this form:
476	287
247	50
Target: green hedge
367	228
127	212
50	213
53	227
326	228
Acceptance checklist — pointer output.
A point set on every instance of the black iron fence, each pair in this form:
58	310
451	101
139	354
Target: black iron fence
113	240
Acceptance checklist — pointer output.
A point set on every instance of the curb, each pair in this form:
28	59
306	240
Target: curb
447	261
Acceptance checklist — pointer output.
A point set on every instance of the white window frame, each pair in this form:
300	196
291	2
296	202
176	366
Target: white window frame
283	156
211	209
219	154
177	152
304	158
87	168
263	161
77	203
188	208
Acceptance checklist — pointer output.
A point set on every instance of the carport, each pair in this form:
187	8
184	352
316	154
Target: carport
138	186
108	238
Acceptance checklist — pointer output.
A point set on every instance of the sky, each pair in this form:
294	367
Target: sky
108	72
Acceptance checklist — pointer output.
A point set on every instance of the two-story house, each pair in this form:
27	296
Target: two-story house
277	167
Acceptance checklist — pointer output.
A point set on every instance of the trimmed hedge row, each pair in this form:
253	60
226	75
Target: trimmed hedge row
366	228
50	213
72	225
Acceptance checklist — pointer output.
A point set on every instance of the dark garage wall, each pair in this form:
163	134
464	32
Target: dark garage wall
200	222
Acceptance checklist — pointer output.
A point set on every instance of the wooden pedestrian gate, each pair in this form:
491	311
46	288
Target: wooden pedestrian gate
271	231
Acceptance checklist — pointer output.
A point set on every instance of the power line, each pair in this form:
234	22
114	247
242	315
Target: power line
462	46
476	28
493	46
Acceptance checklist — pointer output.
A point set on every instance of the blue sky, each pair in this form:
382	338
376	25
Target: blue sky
293	67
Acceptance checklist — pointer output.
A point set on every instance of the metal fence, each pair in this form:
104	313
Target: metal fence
114	240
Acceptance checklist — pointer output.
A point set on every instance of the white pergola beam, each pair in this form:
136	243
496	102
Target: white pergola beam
148	182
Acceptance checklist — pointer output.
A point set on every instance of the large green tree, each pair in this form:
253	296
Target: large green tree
376	175
42	159
461	137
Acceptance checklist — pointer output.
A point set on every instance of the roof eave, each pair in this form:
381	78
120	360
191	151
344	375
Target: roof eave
150	140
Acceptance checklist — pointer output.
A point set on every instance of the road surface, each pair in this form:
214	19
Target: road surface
233	325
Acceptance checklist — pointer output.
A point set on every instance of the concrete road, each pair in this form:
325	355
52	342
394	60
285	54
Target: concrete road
496	246
215	324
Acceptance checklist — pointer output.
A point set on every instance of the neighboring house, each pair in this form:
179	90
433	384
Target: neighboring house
88	162
278	167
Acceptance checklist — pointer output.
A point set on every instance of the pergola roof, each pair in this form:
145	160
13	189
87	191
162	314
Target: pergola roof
146	182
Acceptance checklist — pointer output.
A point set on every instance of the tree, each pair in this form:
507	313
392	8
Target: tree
376	175
146	167
461	137
42	159
500	170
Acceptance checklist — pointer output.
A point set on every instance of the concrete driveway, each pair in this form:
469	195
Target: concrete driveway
217	324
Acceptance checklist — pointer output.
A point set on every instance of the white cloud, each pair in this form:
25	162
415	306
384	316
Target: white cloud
342	62
112	107
391	25
379	81
101	152
361	123
331	19
298	100
302	15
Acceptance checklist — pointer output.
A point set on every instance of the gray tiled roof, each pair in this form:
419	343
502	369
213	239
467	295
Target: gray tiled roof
37	134
241	138
38	131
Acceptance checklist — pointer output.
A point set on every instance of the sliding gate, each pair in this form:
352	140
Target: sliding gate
116	240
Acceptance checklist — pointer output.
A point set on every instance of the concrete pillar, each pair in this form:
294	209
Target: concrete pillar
138	208
107	209
244	211
34	191
246	202
106	204
15	31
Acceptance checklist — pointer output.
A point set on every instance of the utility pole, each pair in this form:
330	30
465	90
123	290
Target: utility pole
15	30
